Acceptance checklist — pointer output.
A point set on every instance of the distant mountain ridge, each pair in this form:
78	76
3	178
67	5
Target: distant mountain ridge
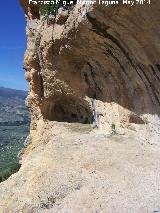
13	111
8	93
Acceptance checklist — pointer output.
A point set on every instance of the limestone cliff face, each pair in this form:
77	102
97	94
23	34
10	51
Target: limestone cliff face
107	54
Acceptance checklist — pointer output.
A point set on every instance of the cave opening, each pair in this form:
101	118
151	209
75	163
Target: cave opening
67	109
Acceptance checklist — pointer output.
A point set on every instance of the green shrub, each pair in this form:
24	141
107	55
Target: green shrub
52	9
8	172
113	128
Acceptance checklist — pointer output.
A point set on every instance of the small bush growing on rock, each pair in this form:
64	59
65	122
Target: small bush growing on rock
52	9
113	129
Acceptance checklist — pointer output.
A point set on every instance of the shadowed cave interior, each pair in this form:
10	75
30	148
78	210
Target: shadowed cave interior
68	109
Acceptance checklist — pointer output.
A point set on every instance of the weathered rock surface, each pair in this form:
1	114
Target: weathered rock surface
73	168
110	54
91	57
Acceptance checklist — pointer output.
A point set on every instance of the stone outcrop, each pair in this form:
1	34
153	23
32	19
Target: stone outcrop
73	168
92	52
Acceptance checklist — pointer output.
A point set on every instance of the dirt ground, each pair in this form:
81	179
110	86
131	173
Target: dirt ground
78	169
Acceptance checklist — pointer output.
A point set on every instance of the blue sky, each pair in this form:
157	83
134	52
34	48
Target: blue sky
12	45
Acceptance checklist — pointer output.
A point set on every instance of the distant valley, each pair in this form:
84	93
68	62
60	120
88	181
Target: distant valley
14	126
